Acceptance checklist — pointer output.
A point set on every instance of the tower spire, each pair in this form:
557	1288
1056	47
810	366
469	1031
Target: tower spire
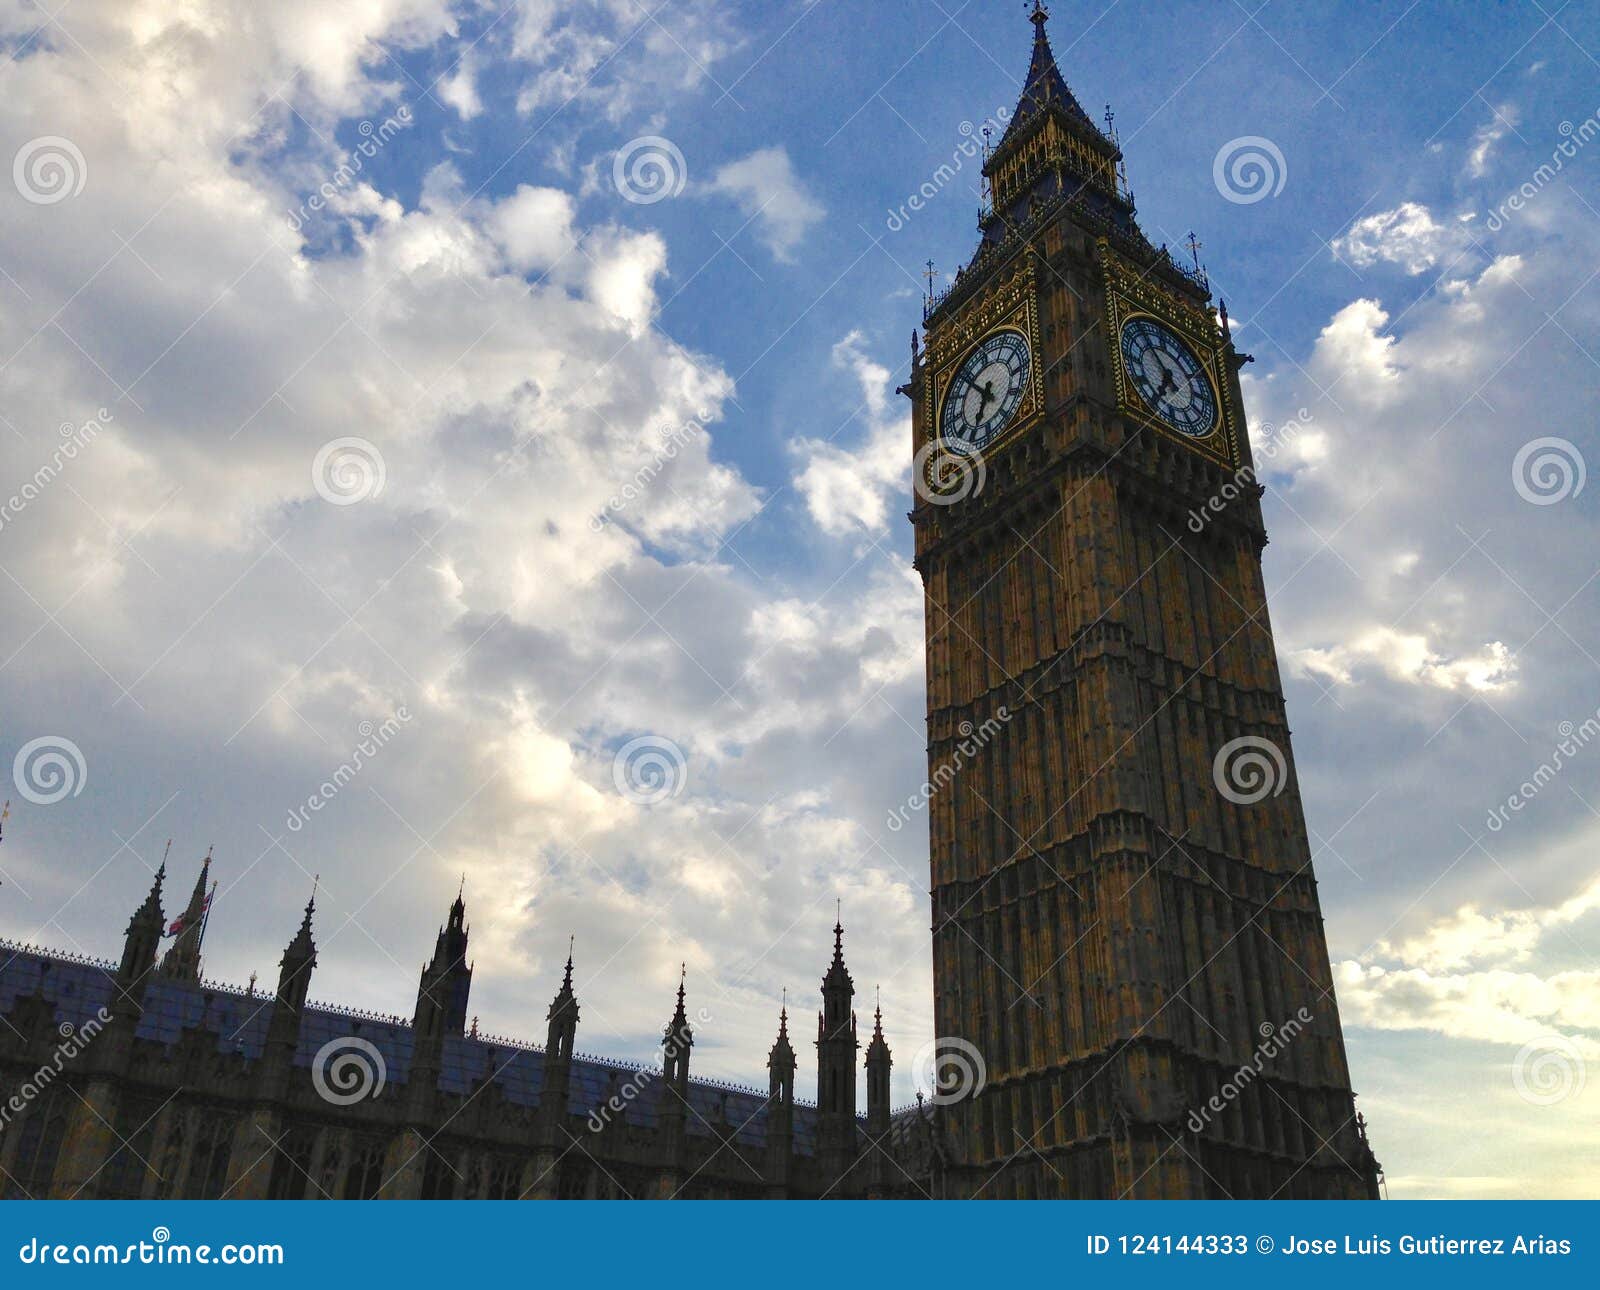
1051	147
680	1018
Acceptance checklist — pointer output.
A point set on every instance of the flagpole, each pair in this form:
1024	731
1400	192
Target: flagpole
204	919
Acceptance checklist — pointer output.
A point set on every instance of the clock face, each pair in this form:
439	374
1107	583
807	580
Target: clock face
1169	377
985	393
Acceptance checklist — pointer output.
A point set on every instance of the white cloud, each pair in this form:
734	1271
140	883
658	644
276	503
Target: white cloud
1408	657
1487	136
607	57
254	625
535	227
1354	348
767	190
1408	236
853	489
460	88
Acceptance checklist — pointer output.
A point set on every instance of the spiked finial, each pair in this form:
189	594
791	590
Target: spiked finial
565	1001
153	900
302	947
678	1032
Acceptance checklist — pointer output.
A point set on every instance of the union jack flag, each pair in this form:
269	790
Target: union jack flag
182	920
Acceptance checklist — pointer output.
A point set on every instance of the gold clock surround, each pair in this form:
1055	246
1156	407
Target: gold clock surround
1131	295
1010	306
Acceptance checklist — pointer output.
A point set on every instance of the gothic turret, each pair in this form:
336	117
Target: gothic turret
780	1109
878	1064
673	1107
562	1020
139	948
561	1033
446	980
294	983
182	959
837	1046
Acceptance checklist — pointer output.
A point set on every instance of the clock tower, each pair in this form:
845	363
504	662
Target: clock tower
1127	938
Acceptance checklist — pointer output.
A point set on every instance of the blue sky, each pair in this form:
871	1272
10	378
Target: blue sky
513	342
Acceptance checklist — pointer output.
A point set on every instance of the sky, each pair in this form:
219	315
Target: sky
449	439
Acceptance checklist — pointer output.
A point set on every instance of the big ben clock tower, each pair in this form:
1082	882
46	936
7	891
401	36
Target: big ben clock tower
1126	926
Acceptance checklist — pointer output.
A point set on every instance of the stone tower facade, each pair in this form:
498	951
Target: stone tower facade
1126	924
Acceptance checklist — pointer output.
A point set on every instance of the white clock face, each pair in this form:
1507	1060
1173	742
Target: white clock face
1169	377
985	393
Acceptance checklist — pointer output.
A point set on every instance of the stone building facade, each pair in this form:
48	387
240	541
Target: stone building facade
139	1079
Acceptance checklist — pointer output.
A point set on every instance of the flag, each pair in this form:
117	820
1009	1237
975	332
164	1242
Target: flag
181	921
